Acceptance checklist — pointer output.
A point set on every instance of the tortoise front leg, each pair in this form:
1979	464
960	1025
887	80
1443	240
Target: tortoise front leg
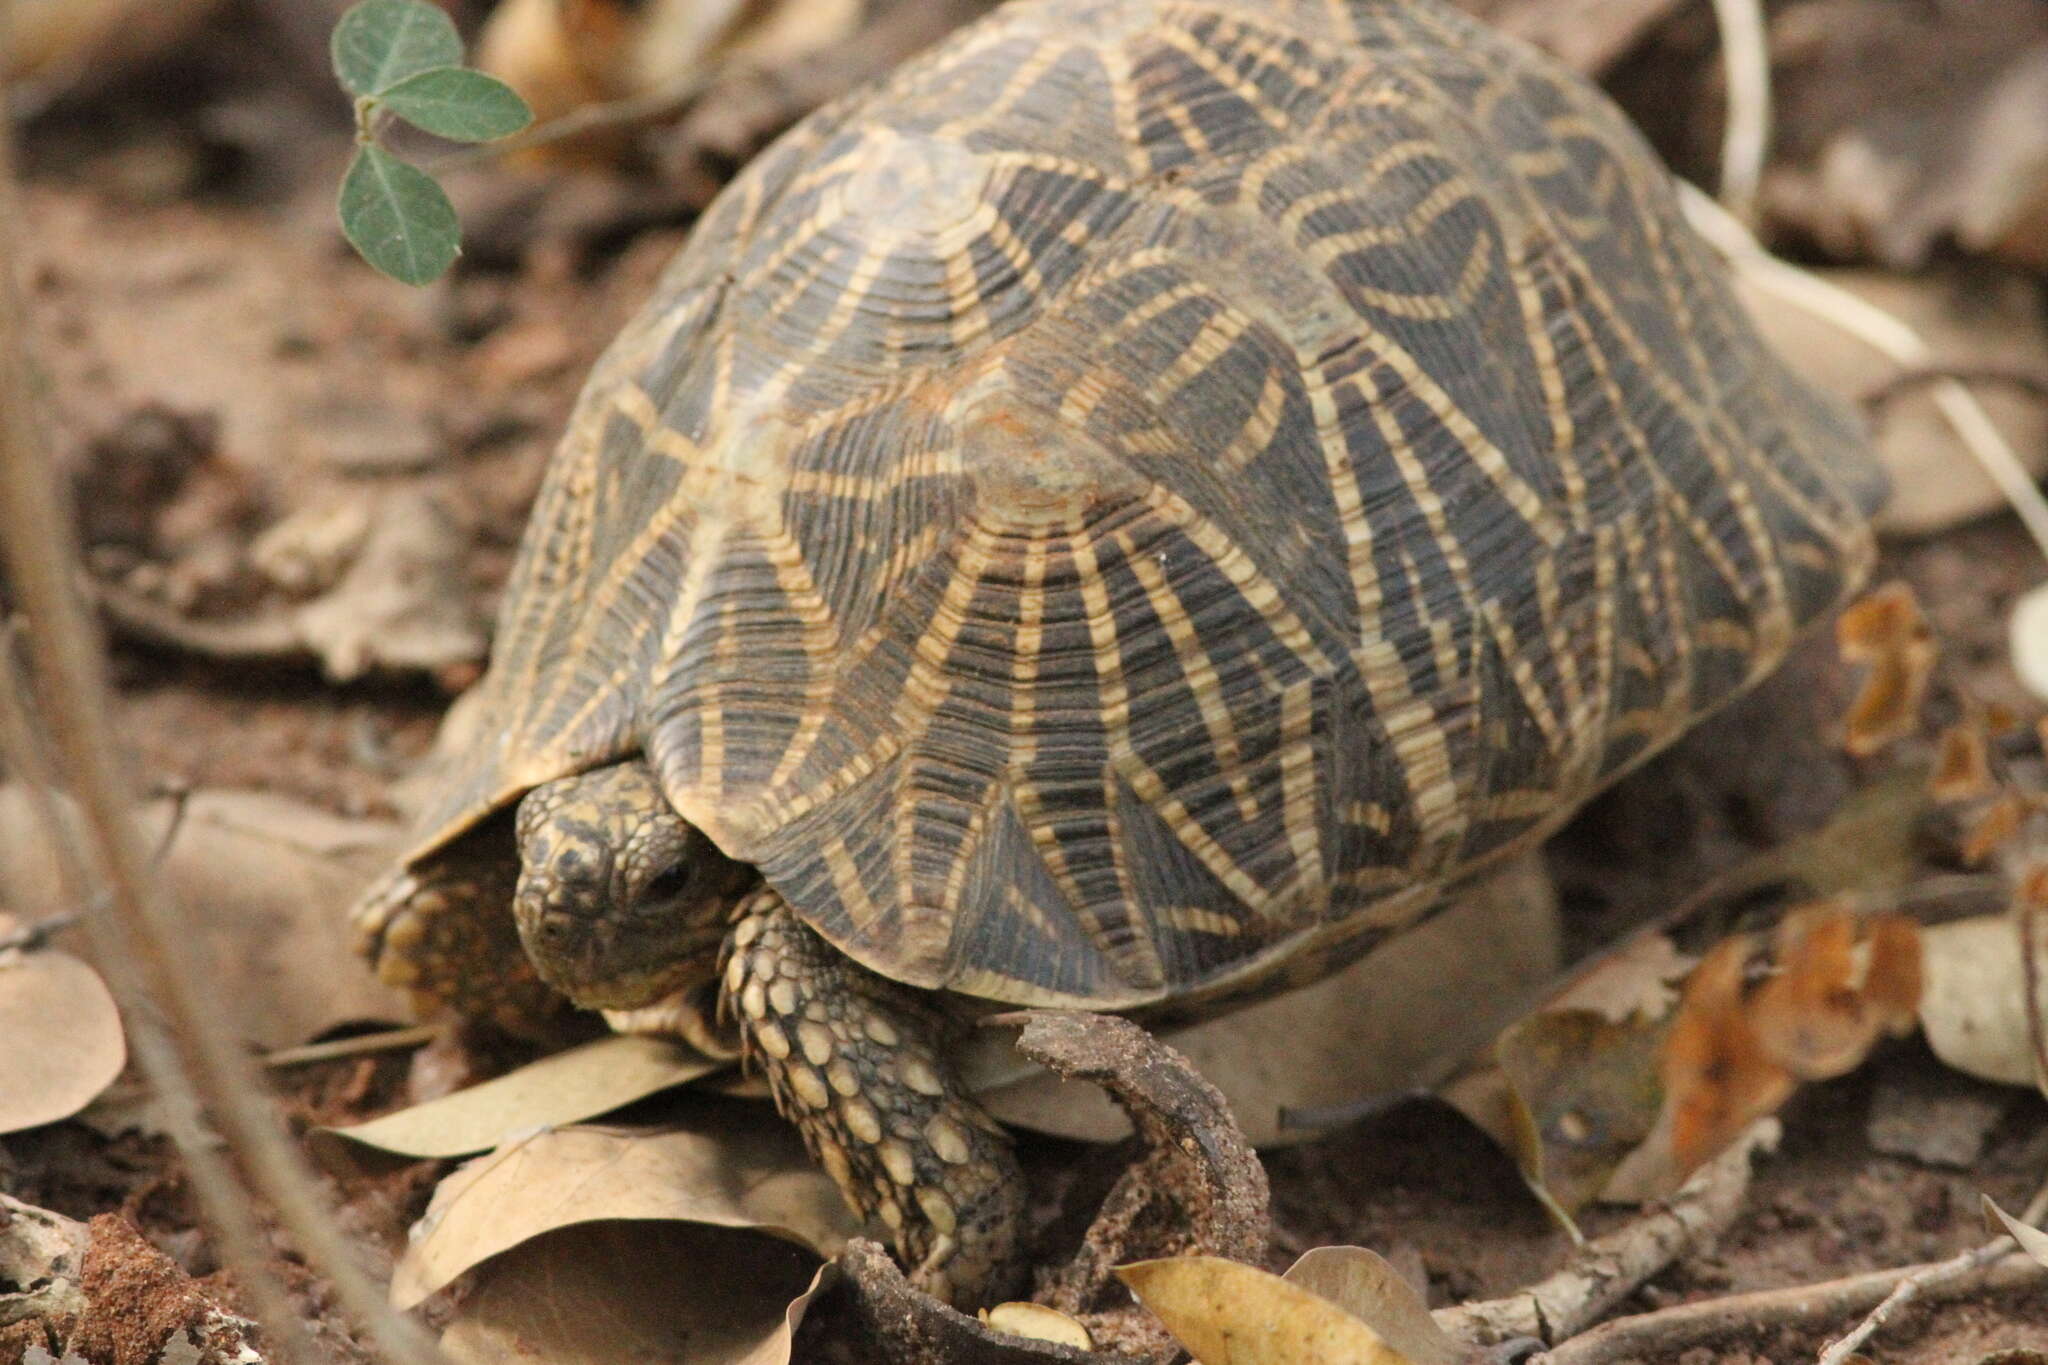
854	1064
444	935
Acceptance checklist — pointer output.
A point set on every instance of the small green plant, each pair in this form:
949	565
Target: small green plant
403	59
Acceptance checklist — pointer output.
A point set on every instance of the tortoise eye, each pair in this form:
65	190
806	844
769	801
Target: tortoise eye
667	884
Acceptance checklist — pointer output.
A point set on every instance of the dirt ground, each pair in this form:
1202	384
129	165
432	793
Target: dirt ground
218	357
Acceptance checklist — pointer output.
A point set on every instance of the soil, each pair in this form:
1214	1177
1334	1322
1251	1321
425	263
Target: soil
183	271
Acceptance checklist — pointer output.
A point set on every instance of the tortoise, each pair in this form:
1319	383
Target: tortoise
1124	515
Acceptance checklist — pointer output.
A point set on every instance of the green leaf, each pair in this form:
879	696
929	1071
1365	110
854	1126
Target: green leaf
455	103
379	43
397	217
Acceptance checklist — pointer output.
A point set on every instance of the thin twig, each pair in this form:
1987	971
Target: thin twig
1923	1278
2025	918
1882	333
1746	63
2032	382
192	1057
390	1040
1666	1333
1609	1269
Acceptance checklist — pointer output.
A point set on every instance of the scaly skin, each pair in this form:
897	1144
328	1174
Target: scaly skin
853	1063
620	903
439	932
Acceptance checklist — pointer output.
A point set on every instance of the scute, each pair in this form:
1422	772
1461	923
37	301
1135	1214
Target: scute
1136	537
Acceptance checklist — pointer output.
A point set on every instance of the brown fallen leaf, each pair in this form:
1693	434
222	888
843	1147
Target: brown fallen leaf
2033	1241
726	1163
1885	631
653	1293
1974	1011
64	1043
1415	1007
398	602
1965	319
1363	1284
565	1087
267	879
1962	765
656	54
1229	1313
1573	1087
1822	1009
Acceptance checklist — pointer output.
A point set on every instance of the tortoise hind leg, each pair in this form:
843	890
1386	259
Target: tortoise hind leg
853	1062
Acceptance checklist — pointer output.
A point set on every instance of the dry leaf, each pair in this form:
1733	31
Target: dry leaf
564	57
63	1038
42	1262
2033	1241
1966	320
563	1088
1227	1313
727	1163
1420	1003
1993	828
650	1293
1962	766
1885	631
1974	1010
1365	1285
1635	983
265	881
1812	1015
1718	1075
1039	1323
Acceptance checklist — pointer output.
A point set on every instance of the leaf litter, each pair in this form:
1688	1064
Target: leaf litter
1647	1007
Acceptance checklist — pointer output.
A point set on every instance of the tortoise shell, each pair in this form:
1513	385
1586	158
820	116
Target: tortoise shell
1134	506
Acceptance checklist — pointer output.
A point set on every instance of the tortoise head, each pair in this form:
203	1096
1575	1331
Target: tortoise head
621	901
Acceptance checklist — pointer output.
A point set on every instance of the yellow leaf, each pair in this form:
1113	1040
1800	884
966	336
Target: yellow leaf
1227	1313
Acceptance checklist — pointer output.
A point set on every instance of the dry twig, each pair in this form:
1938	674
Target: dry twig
1920	1279
1611	1268
1881	332
190	1055
1746	63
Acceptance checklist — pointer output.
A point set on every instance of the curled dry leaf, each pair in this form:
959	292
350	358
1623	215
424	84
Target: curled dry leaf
1885	631
670	1294
907	1326
63	1038
725	1163
1228	1313
1819	1013
1407	1013
1974	1011
566	1087
1198	1187
2033	1241
267	879
1365	1285
1962	765
1573	1087
1734	1056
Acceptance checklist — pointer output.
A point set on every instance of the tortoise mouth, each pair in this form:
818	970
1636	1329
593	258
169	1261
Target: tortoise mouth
613	971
